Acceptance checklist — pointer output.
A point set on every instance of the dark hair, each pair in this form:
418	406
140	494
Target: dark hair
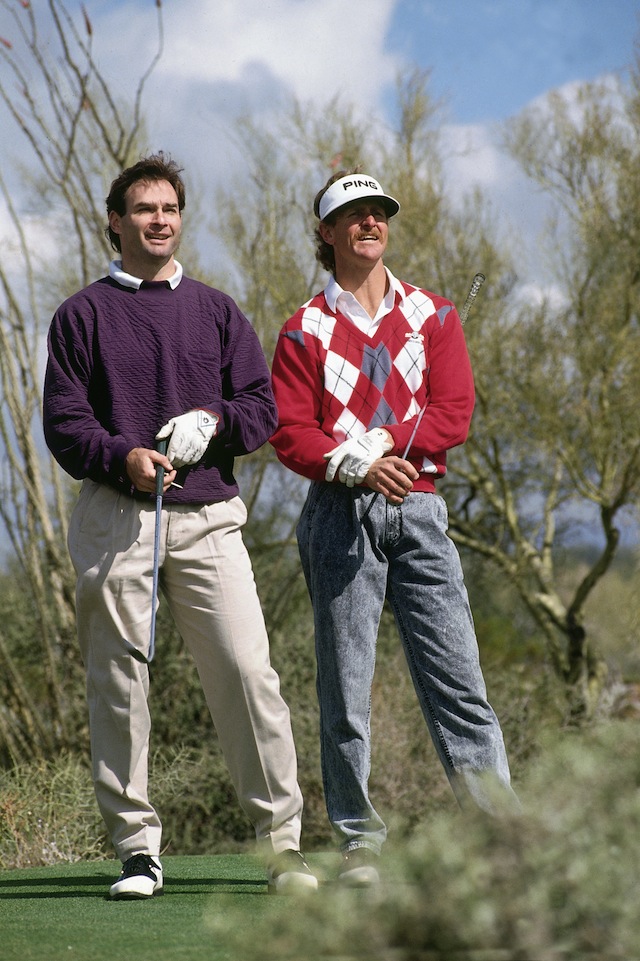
325	254
154	167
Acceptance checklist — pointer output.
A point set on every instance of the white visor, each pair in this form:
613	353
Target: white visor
354	187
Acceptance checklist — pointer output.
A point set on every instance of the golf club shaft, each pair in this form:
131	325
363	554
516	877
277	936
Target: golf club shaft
161	447
413	433
476	284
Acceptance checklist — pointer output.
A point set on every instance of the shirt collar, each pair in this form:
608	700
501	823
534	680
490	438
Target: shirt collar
128	280
333	290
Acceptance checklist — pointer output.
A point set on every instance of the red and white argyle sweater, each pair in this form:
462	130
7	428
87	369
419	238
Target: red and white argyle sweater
331	381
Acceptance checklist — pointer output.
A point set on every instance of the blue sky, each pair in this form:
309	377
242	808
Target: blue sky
489	58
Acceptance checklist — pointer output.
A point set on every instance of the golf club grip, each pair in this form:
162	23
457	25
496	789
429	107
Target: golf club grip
476	284
161	447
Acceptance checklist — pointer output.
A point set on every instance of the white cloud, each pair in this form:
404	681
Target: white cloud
537	295
227	58
315	48
474	156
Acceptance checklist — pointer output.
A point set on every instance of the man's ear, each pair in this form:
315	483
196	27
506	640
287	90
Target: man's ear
114	221
326	232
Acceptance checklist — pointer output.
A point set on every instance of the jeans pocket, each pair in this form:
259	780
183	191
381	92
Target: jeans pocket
442	511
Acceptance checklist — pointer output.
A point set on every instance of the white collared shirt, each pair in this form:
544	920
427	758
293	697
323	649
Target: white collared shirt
347	304
128	280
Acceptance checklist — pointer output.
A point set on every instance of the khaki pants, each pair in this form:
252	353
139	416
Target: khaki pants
208	582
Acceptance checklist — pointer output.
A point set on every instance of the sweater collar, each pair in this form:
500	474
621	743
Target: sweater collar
128	280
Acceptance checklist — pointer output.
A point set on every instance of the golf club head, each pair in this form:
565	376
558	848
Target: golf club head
135	653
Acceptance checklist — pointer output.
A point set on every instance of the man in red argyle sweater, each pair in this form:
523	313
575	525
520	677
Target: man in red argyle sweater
355	370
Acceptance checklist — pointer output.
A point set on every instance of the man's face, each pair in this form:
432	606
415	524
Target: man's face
149	230
359	235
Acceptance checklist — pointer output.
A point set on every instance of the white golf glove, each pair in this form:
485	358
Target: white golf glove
355	456
190	436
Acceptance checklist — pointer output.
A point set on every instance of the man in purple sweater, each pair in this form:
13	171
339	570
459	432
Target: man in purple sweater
143	354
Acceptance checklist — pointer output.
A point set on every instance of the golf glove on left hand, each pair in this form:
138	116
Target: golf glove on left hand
190	436
353	458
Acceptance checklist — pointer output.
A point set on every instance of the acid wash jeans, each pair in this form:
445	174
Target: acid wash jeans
352	559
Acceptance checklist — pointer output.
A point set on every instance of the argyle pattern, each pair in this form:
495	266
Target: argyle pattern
369	382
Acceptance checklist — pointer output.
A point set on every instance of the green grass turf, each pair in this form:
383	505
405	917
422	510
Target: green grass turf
47	914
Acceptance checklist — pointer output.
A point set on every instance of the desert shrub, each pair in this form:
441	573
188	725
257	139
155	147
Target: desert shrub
193	794
190	785
556	883
48	814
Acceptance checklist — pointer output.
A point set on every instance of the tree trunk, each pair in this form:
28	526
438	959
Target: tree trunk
585	674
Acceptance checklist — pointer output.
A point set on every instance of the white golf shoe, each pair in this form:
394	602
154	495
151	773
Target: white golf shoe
289	873
141	877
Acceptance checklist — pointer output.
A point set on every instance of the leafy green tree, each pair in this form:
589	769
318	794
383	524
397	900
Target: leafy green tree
556	435
556	429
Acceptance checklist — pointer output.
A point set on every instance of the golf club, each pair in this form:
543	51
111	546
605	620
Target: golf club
161	447
476	284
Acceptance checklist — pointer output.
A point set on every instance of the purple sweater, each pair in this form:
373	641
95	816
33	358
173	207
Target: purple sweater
122	362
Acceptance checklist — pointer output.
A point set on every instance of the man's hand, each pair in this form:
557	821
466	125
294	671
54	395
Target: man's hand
190	436
393	477
353	458
141	469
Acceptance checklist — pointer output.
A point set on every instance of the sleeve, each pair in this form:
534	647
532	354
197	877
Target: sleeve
450	393
299	441
73	433
247	407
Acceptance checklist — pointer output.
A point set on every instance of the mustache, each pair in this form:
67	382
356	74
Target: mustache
362	234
